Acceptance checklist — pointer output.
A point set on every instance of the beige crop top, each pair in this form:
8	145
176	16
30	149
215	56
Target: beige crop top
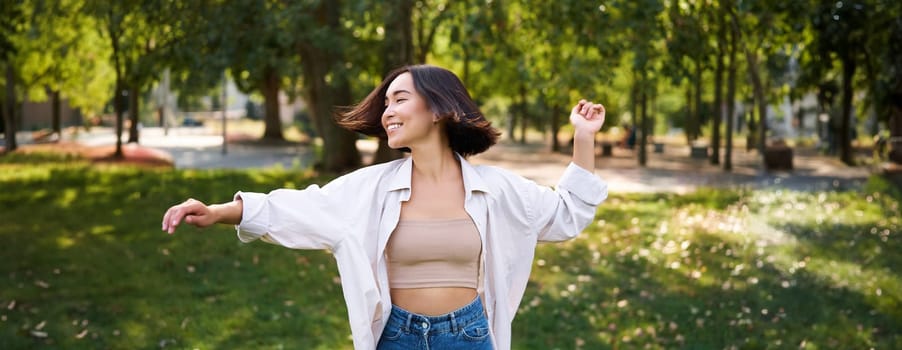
435	253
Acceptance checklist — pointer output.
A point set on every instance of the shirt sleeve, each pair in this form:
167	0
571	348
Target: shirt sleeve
563	212
311	218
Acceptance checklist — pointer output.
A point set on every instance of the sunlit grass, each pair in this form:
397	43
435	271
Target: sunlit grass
723	269
86	267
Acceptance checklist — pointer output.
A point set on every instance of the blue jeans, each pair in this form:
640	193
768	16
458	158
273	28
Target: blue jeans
464	328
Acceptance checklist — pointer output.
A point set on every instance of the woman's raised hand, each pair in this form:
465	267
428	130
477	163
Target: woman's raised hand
192	212
587	117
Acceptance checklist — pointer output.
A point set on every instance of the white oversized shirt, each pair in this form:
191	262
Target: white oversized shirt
354	215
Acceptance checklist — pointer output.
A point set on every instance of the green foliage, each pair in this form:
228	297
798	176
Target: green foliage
524	55
61	50
537	57
253	36
687	24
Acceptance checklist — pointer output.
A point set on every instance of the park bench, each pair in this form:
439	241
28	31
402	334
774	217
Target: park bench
778	156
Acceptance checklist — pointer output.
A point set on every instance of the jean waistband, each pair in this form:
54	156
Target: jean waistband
449	322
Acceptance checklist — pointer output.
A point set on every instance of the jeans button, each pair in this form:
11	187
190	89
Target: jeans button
425	325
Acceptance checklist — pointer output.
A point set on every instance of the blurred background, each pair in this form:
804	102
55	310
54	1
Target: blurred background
723	75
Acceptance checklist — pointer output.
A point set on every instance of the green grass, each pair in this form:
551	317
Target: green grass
85	266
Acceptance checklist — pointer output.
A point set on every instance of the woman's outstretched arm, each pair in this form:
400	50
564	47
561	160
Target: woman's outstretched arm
587	118
195	212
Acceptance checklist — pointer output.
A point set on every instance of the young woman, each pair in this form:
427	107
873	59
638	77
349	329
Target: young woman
433	252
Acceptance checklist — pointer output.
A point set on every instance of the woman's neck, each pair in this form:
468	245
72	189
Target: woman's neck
435	163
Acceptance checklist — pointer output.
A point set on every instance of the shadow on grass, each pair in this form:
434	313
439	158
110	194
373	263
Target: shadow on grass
88	267
619	287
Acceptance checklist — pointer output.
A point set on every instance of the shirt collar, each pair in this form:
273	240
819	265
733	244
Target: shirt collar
473	181
401	180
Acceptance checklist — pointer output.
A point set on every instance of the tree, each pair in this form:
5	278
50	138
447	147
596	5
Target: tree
764	30
890	104
534	55
842	32
398	50
429	17
132	40
11	21
327	84
729	24
205	48
58	56
261	37
151	35
574	33
688	43
718	20
641	17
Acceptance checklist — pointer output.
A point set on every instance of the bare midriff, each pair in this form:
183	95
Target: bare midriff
432	301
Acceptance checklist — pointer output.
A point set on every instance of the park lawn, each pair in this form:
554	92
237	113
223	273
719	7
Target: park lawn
85	266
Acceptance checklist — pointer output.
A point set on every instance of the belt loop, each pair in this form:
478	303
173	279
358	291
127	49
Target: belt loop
454	328
407	324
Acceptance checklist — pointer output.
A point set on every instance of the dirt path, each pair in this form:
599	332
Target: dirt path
674	171
670	171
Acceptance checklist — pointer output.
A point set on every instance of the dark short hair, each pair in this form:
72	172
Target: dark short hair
469	132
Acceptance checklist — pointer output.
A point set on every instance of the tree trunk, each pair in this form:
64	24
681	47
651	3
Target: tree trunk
845	130
796	102
718	96
751	125
55	112
425	39
719	114
512	121
115	34
689	113
634	104
398	51
730	98
117	107
9	110
133	114
397	46
697	117
555	127
271	118
895	129
339	145
523	119
763	128
465	77
643	125
523	126
760	100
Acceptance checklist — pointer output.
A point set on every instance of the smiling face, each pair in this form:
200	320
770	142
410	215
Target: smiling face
407	119
422	106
